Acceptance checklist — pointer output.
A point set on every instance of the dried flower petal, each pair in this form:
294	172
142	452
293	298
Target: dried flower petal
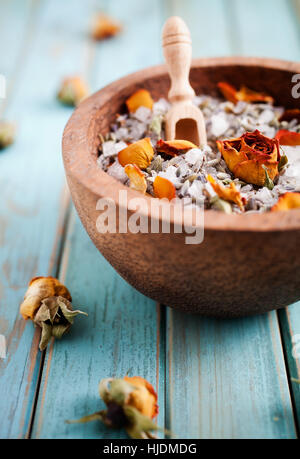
143	397
174	147
72	91
289	138
40	288
105	27
55	316
244	94
291	114
163	188
227	193
141	98
287	201
139	153
246	155
7	133
137	178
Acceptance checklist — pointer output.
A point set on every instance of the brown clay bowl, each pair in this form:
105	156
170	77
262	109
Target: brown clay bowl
247	264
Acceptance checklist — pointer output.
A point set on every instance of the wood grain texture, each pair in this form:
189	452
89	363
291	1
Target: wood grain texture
120	335
32	186
124	331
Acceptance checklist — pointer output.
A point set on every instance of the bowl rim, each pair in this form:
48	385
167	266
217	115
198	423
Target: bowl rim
80	163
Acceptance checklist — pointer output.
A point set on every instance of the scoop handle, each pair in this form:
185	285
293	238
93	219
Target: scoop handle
177	47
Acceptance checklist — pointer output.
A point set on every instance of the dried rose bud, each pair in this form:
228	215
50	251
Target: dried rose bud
141	98
72	91
131	404
105	27
7	133
47	303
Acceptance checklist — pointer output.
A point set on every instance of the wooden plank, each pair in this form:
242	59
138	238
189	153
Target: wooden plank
123	330
227	379
33	202
120	335
266	28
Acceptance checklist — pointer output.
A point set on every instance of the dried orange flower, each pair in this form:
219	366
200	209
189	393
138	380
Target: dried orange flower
139	153
141	98
227	193
174	147
137	178
143	397
244	94
47	303
105	27
287	201
131	403
289	138
251	157
163	188
40	288
291	114
7	133
72	91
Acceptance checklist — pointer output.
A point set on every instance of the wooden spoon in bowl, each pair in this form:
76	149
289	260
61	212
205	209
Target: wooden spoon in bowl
184	120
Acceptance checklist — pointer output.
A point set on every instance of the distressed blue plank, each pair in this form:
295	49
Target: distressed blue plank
123	330
227	379
266	28
120	335
33	202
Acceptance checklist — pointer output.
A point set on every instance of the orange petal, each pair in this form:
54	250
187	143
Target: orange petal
291	114
144	397
137	178
141	98
174	147
289	138
287	201
139	153
228	193
163	188
251	171
40	288
244	94
228	91
105	27
73	90
230	153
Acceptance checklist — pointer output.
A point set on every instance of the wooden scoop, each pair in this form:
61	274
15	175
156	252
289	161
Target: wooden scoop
184	120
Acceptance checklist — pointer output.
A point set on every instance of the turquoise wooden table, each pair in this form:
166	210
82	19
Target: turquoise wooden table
215	379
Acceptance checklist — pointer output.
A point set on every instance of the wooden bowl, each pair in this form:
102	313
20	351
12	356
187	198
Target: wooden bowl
247	264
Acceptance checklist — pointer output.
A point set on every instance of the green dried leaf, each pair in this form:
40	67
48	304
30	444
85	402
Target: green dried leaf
221	204
156	125
68	314
98	416
282	163
140	426
268	182
156	165
59	330
45	336
296	380
120	391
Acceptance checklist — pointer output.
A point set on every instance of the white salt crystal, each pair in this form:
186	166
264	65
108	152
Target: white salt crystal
108	148
194	155
117	171
119	146
170	174
219	125
142	114
160	107
196	189
266	116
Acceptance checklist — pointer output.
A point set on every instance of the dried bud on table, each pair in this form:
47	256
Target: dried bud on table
131	404
72	91
47	303
105	27
7	133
